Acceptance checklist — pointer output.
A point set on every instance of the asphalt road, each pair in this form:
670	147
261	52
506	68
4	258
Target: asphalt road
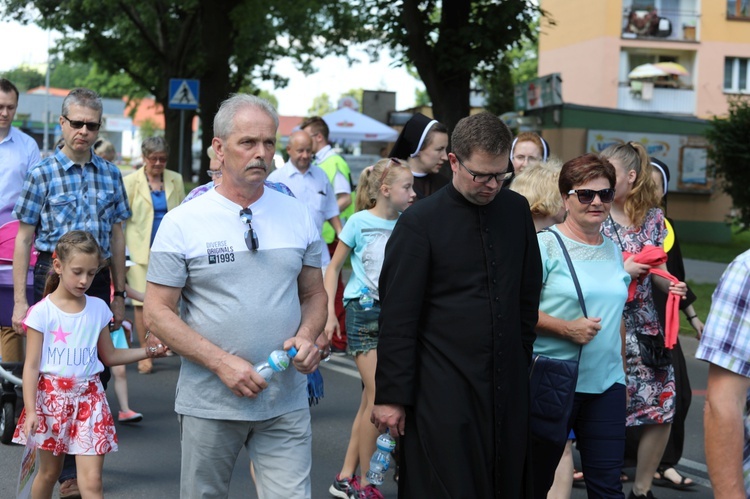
147	464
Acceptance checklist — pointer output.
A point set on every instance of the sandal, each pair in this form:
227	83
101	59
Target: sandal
661	479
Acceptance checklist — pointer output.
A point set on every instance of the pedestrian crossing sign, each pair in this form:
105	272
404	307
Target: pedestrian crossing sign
183	94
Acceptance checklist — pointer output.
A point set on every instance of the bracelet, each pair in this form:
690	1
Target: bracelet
691	317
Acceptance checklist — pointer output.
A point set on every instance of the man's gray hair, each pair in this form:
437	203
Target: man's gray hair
224	119
82	97
483	132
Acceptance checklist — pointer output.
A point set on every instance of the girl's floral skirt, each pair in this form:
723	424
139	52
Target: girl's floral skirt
74	417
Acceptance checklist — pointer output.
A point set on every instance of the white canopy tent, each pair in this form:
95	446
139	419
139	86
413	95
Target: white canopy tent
347	125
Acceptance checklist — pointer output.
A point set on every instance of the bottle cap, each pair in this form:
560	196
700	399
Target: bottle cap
292	352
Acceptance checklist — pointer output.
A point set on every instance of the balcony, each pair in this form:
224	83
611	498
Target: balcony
660	100
675	21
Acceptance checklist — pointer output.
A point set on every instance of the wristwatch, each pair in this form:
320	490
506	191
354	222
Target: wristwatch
124	294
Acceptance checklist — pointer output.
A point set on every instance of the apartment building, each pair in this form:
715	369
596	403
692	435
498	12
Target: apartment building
598	46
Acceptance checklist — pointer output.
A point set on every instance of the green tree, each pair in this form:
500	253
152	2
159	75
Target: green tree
321	105
730	155
24	77
451	43
222	43
517	65
66	74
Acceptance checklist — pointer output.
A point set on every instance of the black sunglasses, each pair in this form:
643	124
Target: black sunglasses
586	196
483	178
92	126
251	238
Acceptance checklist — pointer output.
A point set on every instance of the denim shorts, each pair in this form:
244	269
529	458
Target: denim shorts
361	328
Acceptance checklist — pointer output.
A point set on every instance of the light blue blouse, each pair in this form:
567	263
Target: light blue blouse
604	284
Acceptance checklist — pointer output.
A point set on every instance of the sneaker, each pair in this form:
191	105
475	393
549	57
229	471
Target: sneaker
129	416
69	489
369	492
344	487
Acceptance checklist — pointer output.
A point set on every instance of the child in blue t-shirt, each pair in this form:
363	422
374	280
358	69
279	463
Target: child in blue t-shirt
383	192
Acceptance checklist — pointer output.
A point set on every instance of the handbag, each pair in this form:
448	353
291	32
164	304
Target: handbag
552	382
653	351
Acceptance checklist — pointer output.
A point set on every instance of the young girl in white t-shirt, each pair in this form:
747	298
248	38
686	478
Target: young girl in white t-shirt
67	333
384	191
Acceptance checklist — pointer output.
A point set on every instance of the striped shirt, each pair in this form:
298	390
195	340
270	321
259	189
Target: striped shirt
59	196
726	336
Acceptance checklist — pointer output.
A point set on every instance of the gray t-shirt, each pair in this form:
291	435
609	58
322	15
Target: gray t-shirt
246	302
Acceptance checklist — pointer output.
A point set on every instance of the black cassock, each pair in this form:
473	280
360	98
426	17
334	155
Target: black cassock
460	291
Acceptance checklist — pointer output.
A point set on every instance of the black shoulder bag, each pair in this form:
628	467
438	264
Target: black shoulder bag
552	382
654	353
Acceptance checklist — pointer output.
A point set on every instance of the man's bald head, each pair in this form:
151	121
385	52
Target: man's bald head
299	149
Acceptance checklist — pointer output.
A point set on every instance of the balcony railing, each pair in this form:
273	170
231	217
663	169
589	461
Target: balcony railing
662	100
670	25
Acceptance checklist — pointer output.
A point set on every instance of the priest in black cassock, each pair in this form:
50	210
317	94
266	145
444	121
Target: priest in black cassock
460	291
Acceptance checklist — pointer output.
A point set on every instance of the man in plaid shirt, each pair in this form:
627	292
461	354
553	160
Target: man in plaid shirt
726	346
73	189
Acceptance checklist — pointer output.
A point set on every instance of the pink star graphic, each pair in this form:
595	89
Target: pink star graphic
60	335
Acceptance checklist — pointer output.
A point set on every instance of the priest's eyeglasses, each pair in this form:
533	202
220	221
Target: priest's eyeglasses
483	178
586	196
251	238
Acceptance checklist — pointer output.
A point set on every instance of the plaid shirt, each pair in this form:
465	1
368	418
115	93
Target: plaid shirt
726	336
59	196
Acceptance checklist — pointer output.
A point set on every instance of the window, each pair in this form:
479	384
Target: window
735	75
738	8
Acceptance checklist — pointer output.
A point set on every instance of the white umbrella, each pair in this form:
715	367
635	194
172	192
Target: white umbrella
672	68
646	71
348	125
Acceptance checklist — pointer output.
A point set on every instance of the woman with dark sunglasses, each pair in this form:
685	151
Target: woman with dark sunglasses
636	222
564	331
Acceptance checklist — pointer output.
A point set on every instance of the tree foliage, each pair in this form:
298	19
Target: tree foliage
730	155
321	105
24	77
451	42
223	43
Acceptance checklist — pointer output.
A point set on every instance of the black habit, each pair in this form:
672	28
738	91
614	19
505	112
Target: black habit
427	185
460	291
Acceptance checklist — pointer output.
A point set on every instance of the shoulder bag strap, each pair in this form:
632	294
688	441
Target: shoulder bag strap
574	275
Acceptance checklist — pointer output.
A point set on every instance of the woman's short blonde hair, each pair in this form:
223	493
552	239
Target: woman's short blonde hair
538	183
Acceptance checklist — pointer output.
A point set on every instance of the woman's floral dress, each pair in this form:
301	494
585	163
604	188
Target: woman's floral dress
651	390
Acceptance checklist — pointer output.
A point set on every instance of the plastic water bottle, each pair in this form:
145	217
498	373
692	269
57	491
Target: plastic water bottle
277	361
381	459
366	300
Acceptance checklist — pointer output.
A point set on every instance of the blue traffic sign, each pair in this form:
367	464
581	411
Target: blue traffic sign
183	94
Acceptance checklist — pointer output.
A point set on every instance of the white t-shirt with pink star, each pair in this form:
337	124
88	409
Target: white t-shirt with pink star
69	349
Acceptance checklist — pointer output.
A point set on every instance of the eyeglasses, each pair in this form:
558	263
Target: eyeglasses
483	178
251	238
586	196
92	126
213	173
157	159
530	159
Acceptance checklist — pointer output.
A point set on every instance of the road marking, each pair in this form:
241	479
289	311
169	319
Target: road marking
695	466
343	365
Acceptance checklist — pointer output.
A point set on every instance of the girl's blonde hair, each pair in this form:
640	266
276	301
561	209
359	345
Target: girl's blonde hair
642	196
75	241
538	184
372	178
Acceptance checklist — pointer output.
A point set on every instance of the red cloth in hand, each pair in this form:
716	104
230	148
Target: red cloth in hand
655	256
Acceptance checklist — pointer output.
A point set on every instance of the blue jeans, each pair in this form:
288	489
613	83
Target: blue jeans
598	420
361	328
